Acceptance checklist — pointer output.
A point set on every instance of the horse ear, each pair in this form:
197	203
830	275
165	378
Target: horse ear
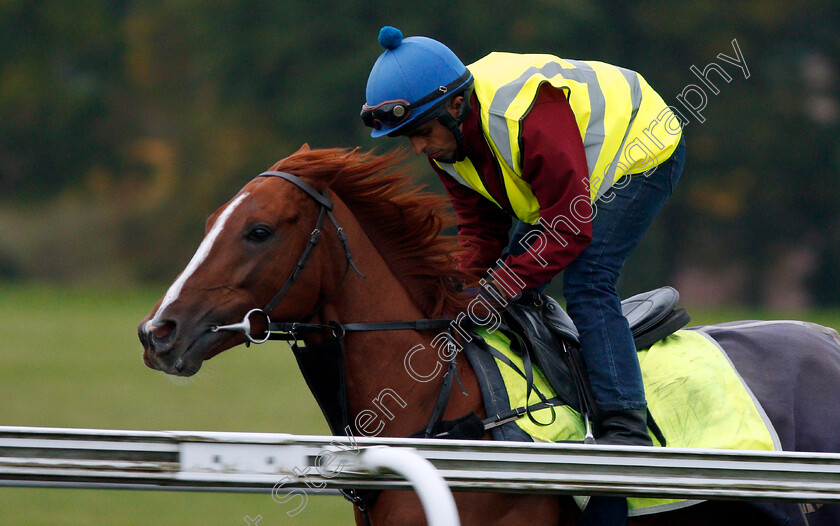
304	148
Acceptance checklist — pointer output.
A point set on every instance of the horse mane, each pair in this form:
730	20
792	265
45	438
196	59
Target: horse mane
402	219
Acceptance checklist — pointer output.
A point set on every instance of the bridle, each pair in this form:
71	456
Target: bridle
291	330
325	211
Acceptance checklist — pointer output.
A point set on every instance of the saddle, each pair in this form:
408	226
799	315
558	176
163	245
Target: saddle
544	334
651	315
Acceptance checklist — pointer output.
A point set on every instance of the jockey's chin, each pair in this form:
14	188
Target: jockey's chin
443	156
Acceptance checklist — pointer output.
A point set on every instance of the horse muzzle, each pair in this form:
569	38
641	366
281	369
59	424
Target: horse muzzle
162	351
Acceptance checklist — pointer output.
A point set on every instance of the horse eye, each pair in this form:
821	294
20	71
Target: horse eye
258	234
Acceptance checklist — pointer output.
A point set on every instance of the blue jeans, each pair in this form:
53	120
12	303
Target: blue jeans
622	215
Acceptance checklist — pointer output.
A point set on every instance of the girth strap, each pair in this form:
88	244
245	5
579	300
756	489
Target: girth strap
443	398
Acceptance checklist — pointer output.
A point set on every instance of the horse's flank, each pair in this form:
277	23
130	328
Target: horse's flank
403	220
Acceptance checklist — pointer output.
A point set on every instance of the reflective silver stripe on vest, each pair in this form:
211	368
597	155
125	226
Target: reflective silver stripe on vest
582	72
450	169
632	79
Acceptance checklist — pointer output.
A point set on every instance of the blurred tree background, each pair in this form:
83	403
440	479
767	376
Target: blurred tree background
125	123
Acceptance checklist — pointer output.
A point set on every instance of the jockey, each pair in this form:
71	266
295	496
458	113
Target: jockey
583	154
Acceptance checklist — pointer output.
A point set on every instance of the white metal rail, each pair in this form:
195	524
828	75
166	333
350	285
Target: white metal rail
208	461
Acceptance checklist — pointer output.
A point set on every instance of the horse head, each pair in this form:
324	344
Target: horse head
276	252
251	245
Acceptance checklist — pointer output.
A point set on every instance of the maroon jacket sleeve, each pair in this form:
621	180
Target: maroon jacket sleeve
554	163
482	226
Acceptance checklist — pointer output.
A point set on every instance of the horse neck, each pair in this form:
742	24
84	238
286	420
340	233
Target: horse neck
380	388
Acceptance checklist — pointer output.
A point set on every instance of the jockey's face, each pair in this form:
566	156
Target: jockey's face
434	140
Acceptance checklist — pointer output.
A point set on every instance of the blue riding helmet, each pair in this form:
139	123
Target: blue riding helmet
410	83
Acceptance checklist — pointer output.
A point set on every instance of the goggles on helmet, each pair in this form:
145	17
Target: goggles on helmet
392	113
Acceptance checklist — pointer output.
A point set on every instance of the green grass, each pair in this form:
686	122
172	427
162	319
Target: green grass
71	358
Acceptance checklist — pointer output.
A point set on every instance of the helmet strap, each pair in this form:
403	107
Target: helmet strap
451	123
454	124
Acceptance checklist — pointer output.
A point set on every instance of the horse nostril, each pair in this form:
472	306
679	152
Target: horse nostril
163	336
164	330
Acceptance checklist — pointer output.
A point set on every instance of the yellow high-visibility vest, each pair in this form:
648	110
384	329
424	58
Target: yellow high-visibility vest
625	125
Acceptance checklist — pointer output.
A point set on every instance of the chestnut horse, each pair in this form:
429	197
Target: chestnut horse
261	242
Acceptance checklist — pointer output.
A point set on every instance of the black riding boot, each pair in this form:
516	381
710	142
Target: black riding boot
626	427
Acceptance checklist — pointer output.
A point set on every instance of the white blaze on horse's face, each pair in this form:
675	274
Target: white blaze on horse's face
199	257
